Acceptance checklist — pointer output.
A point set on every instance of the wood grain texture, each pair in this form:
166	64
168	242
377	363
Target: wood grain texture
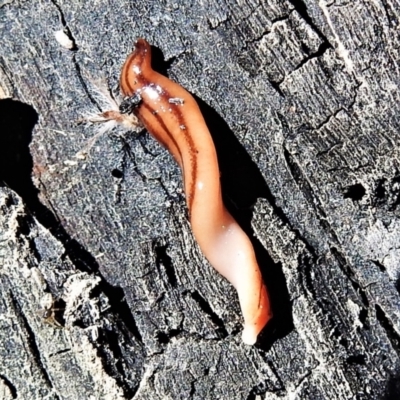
302	100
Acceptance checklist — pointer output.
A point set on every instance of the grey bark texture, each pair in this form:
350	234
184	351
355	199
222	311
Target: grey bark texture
104	293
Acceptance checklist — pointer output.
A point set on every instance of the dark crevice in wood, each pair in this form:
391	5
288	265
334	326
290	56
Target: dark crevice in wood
143	140
363	318
393	387
346	268
379	265
387	325
32	342
301	8
380	191
17	121
387	192
192	388
265	385
206	308
129	154
174	196
305	265
395	192
117	173
119	306
165	337
265	32
391	15
11	387
83	83
57	353
114	362
25	223
323	47
322	124
277	88
279	19
358	359
354	192
251	396
163	259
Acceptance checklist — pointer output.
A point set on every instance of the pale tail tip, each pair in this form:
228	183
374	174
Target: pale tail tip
249	336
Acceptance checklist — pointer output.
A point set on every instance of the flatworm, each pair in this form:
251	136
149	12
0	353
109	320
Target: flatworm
172	116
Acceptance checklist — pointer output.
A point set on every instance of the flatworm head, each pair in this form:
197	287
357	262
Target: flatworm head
139	60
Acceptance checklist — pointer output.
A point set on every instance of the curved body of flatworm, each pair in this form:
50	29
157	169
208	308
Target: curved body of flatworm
173	117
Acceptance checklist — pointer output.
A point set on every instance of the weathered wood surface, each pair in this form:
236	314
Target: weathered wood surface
302	98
